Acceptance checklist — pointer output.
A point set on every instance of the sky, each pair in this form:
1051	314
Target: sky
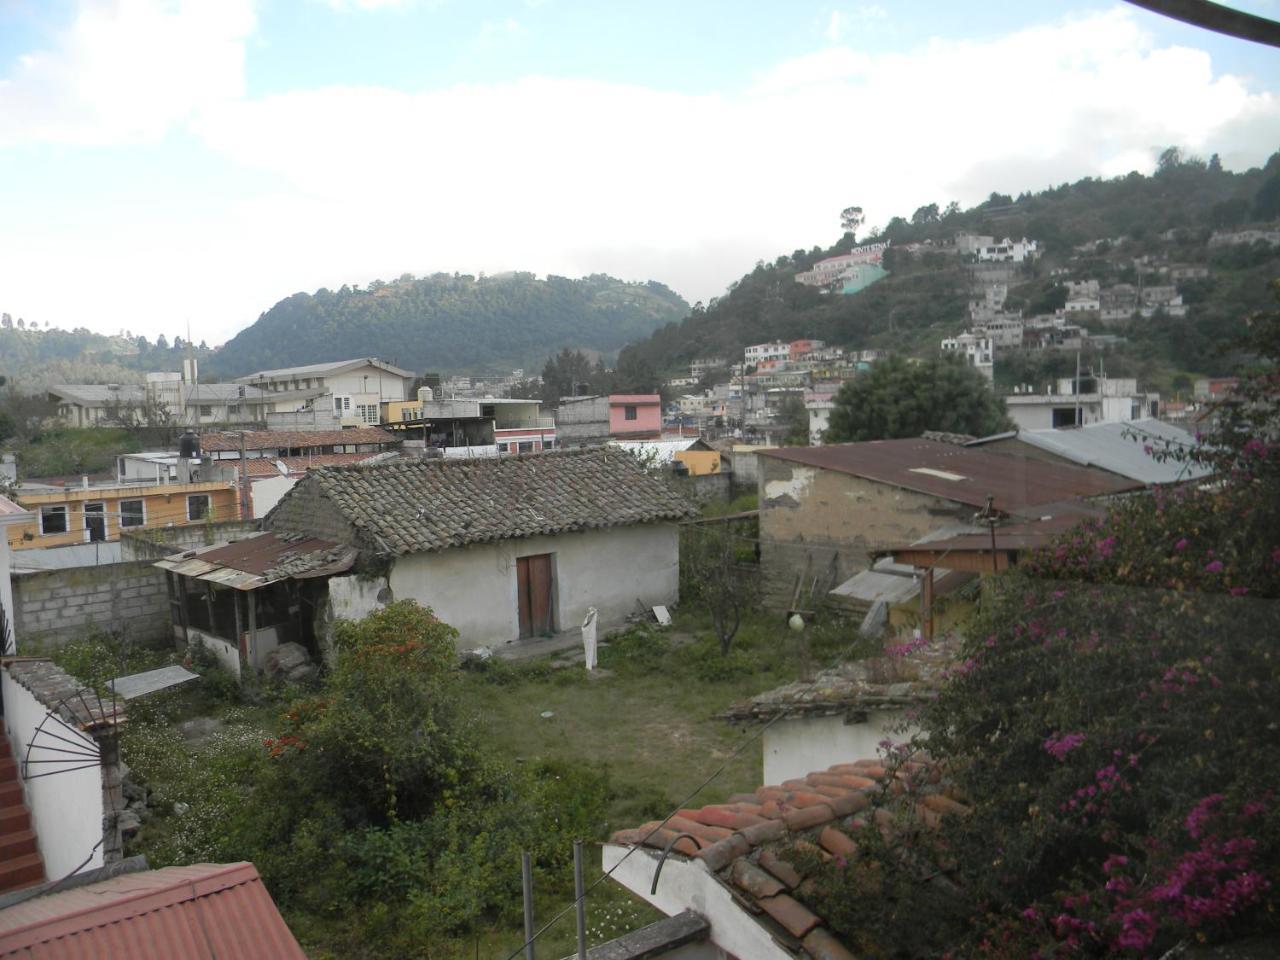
169	165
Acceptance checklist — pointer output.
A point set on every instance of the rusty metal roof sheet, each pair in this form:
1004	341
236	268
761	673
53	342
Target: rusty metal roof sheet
206	911
256	561
962	474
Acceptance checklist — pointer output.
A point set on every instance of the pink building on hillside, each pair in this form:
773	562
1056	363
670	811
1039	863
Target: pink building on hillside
802	348
635	416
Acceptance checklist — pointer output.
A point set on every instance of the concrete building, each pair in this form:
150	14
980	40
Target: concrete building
825	510
819	403
503	549
1069	403
755	354
351	391
94	513
1008	251
472	427
977	350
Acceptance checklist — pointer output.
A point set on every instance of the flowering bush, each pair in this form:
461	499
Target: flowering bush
1114	725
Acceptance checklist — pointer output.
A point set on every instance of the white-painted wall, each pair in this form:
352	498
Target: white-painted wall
267	493
6	587
796	747
354	598
474	588
66	809
686	884
225	653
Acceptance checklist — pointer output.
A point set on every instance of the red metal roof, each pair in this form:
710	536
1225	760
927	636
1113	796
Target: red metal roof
207	911
962	474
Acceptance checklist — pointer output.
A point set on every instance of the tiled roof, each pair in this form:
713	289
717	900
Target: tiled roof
220	441
960	474
266	466
412	506
58	691
743	841
206	911
873	683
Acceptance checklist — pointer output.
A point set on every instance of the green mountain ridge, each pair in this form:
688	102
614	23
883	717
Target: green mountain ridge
452	323
926	294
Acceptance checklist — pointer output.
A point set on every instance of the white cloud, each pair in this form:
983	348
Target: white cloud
494	31
574	176
842	23
127	70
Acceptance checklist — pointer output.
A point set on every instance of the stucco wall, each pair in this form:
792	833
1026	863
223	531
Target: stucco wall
267	493
808	516
307	510
686	884
223	651
474	588
54	606
796	747
66	809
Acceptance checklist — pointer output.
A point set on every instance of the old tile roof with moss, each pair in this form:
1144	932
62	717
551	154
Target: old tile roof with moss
414	506
745	842
905	675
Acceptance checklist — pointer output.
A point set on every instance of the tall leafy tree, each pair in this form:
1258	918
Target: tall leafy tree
899	398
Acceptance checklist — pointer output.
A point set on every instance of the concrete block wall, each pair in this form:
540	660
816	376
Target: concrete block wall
55	606
306	509
159	543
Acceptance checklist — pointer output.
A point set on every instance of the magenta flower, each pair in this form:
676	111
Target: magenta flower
1213	566
1058	746
1181	544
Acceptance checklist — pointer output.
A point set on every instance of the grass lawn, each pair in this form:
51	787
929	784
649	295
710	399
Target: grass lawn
648	717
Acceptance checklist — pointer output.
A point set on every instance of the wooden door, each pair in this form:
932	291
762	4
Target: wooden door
533	594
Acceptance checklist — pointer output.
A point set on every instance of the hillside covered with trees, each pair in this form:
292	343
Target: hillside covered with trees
453	323
1170	214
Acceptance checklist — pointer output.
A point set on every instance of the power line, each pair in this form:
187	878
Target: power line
1215	17
680	806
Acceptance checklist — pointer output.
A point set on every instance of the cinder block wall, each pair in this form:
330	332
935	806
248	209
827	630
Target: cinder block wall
163	541
54	606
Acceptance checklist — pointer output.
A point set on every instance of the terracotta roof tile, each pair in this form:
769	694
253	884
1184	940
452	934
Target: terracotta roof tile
823	946
791	913
755	881
808	817
780	868
414	506
837	842
757	830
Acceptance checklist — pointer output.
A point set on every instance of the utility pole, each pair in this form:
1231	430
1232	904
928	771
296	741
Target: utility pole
246	502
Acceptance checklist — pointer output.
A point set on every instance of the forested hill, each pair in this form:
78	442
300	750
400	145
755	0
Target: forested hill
452	323
926	294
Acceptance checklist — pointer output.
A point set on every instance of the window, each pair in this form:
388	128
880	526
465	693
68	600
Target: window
53	519
526	446
206	410
132	513
197	506
233	408
629	413
341	405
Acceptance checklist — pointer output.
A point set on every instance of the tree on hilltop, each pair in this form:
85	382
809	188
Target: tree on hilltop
899	399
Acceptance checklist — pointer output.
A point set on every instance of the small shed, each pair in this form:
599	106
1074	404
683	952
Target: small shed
244	599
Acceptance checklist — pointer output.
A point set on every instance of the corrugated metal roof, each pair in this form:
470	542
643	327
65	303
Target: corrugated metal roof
256	561
206	911
1014	482
1121	449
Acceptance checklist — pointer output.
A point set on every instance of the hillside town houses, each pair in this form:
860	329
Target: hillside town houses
265	511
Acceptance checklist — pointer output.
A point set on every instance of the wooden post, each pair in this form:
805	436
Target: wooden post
926	605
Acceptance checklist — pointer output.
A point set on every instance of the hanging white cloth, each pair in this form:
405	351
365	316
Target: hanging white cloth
589	638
